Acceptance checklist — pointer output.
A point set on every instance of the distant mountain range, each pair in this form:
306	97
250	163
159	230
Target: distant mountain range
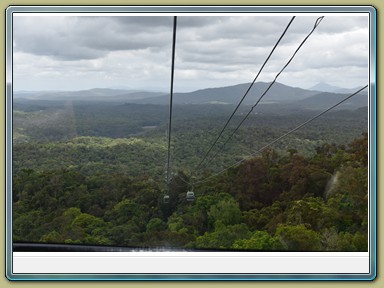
325	100
279	94
96	94
232	95
324	87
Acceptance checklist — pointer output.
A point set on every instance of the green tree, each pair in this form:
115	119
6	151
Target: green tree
298	238
227	211
223	237
155	225
310	211
349	200
90	229
260	240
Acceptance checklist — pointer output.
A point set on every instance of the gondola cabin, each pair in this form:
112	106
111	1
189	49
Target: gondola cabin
166	199
190	196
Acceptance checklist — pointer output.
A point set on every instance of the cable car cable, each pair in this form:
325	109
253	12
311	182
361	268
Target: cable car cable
168	165
265	92
171	99
282	136
245	94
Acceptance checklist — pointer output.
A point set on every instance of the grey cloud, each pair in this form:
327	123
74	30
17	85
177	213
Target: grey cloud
342	24
93	37
156	22
238	28
153	22
133	48
241	39
79	38
226	56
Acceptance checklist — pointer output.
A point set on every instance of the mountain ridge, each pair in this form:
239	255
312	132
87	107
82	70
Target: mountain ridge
233	94
325	87
278	94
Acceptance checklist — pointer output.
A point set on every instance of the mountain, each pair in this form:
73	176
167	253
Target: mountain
232	95
325	100
280	95
100	94
324	87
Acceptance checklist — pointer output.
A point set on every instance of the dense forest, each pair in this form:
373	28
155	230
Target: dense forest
93	173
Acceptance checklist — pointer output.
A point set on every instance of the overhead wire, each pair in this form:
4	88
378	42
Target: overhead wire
171	100
318	21
245	94
281	137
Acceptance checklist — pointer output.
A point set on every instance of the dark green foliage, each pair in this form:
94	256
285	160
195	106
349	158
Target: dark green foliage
259	241
223	237
298	238
304	195
226	211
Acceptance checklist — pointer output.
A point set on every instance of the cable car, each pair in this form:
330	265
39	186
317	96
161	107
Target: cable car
166	199
190	196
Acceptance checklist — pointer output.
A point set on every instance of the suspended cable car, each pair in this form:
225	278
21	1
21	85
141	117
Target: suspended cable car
190	196
166	199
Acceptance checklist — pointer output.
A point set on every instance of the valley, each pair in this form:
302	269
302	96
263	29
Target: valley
90	170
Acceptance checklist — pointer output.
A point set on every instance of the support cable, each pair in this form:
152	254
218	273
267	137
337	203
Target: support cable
170	101
265	92
282	136
246	93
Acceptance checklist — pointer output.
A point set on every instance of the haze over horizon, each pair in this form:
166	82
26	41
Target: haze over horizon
321	87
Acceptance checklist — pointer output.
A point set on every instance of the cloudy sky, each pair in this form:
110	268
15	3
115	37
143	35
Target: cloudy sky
81	52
